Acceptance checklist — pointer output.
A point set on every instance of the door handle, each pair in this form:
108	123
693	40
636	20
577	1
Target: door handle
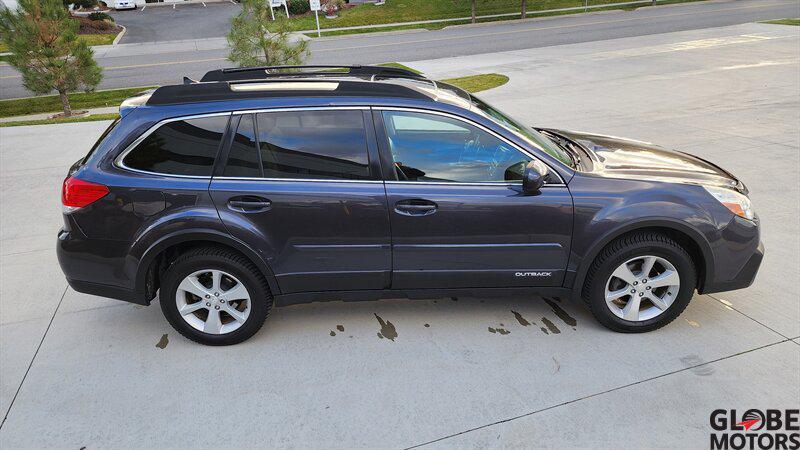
415	207
249	204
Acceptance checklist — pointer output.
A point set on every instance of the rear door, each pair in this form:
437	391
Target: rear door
457	212
303	187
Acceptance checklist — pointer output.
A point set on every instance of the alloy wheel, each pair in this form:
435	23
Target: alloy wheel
642	288
213	301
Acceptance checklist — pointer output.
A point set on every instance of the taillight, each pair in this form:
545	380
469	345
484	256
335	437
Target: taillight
76	193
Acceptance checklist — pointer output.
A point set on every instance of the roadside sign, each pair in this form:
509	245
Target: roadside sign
278	4
315	6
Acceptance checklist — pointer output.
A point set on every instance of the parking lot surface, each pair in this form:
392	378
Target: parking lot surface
78	370
158	23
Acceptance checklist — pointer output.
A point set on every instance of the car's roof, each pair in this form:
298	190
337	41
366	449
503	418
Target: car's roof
327	82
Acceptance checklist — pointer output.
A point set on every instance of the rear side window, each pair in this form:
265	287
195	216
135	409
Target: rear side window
243	158
329	144
181	147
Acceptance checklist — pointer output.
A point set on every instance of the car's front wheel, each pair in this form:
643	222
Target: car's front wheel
640	282
214	296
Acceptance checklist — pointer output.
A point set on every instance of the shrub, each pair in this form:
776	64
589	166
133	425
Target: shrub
297	7
85	4
100	16
331	6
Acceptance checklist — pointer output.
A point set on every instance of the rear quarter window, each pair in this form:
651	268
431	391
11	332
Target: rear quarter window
180	147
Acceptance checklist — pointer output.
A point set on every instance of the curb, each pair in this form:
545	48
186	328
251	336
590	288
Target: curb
119	36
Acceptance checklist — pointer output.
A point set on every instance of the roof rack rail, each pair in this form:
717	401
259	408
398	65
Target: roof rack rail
258	73
220	91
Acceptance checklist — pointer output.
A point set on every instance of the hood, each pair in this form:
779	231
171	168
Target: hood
616	157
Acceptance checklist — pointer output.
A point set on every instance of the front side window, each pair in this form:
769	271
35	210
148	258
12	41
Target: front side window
428	147
314	144
181	147
532	136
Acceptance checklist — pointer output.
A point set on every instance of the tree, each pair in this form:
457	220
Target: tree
253	44
524	9
44	46
472	16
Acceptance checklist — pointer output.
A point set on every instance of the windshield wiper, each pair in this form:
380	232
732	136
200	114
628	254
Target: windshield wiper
565	145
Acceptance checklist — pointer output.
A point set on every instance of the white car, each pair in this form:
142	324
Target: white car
124	4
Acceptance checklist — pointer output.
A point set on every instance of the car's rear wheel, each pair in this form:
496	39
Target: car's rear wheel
214	296
640	282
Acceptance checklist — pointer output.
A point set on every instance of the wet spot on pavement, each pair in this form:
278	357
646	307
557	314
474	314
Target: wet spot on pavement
693	323
502	331
697	365
563	315
550	326
162	343
388	330
520	319
340	327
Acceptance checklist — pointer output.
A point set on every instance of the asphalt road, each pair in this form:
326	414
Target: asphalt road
167	62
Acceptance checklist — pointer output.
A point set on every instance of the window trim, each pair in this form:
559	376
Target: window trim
379	109
118	161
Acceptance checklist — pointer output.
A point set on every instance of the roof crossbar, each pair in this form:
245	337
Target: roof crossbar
258	73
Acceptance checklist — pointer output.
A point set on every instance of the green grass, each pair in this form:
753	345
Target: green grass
531	14
415	10
91	39
98	39
78	100
399	66
478	83
795	22
53	121
472	83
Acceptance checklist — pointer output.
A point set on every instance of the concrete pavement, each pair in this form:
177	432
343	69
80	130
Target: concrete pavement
731	95
148	64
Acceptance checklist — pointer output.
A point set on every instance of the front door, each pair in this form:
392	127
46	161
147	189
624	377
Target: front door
457	212
302	188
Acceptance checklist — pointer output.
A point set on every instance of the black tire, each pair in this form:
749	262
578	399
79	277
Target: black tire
227	261
624	249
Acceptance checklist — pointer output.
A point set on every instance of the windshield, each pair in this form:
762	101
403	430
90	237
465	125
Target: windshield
529	134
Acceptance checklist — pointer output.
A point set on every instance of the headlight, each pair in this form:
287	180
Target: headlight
735	202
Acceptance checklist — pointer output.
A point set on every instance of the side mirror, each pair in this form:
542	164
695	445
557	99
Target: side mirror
533	177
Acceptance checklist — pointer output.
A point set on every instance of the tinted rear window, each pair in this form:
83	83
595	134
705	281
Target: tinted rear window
100	140
313	144
182	147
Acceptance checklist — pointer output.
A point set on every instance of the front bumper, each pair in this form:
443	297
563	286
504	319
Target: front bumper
737	254
744	278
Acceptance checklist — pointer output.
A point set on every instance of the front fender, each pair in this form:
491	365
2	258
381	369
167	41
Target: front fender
606	209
